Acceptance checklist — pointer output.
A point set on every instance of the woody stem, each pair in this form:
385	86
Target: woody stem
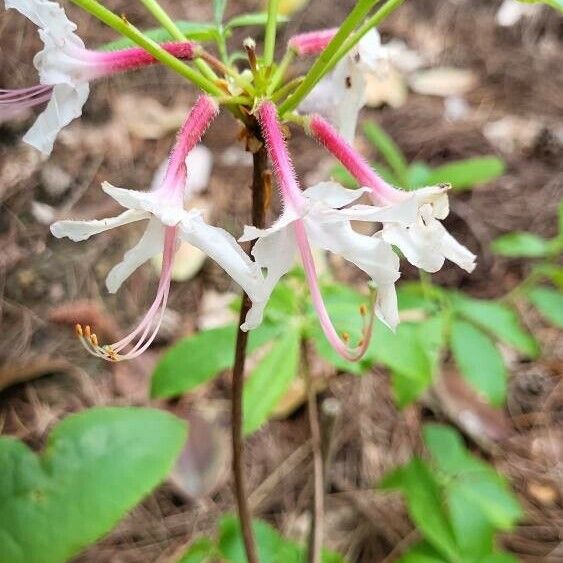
260	160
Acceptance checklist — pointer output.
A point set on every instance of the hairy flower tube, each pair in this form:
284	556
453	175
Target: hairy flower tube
65	69
314	217
168	223
340	95
413	219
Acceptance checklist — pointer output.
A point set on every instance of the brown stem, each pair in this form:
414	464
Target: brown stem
316	534
260	160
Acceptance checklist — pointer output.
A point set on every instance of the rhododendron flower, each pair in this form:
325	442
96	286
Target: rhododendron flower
340	95
314	217
411	219
65	68
168	223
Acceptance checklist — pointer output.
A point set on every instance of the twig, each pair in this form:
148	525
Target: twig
260	160
316	534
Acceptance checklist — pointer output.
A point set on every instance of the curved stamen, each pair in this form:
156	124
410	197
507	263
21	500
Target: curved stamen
145	333
339	344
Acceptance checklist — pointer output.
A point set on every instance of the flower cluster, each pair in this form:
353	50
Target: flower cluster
320	216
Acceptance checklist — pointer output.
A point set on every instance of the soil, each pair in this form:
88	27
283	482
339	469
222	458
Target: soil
47	285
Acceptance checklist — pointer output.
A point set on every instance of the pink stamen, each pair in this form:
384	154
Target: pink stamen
290	192
356	164
275	143
312	42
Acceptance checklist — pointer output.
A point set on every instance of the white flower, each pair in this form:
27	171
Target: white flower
56	64
321	222
340	95
413	225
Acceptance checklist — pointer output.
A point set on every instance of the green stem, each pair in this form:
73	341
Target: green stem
389	7
167	23
342	45
270	39
280	71
286	89
128	30
317	71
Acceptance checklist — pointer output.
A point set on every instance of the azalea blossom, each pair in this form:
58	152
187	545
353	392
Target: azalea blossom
340	95
167	223
65	69
314	217
411	219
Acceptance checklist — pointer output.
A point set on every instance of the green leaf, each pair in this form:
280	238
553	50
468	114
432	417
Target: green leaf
422	552
198	358
549	303
192	30
270	379
272	547
465	174
425	504
551	272
479	361
254	18
446	447
499	321
218	11
500	557
342	176
418	174
97	465
388	149
411	354
521	245
202	550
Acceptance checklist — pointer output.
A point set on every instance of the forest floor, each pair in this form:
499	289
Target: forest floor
128	126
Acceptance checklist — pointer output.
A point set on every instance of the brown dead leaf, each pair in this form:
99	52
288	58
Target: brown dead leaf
38	367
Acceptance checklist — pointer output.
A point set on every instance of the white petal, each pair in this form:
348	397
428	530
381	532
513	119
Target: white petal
198	163
370	51
350	87
386	307
168	211
65	105
251	233
150	244
276	253
437	196
457	253
419	247
83	230
222	247
333	194
371	254
44	14
405	212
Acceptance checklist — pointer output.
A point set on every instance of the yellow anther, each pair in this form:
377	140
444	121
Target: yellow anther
94	340
363	310
345	336
87	331
78	330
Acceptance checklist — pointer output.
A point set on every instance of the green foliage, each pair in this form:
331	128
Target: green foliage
96	466
549	302
198	358
461	174
456	501
219	11
479	361
272	547
556	4
270	379
521	245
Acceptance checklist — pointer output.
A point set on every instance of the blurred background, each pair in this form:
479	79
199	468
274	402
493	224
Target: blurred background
465	81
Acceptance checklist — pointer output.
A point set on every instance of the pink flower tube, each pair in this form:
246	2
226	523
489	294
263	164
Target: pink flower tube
311	42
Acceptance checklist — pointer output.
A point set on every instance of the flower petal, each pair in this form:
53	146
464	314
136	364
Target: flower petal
222	247
457	253
281	223
370	51
65	105
169	211
44	14
333	194
386	307
150	244
82	230
276	253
